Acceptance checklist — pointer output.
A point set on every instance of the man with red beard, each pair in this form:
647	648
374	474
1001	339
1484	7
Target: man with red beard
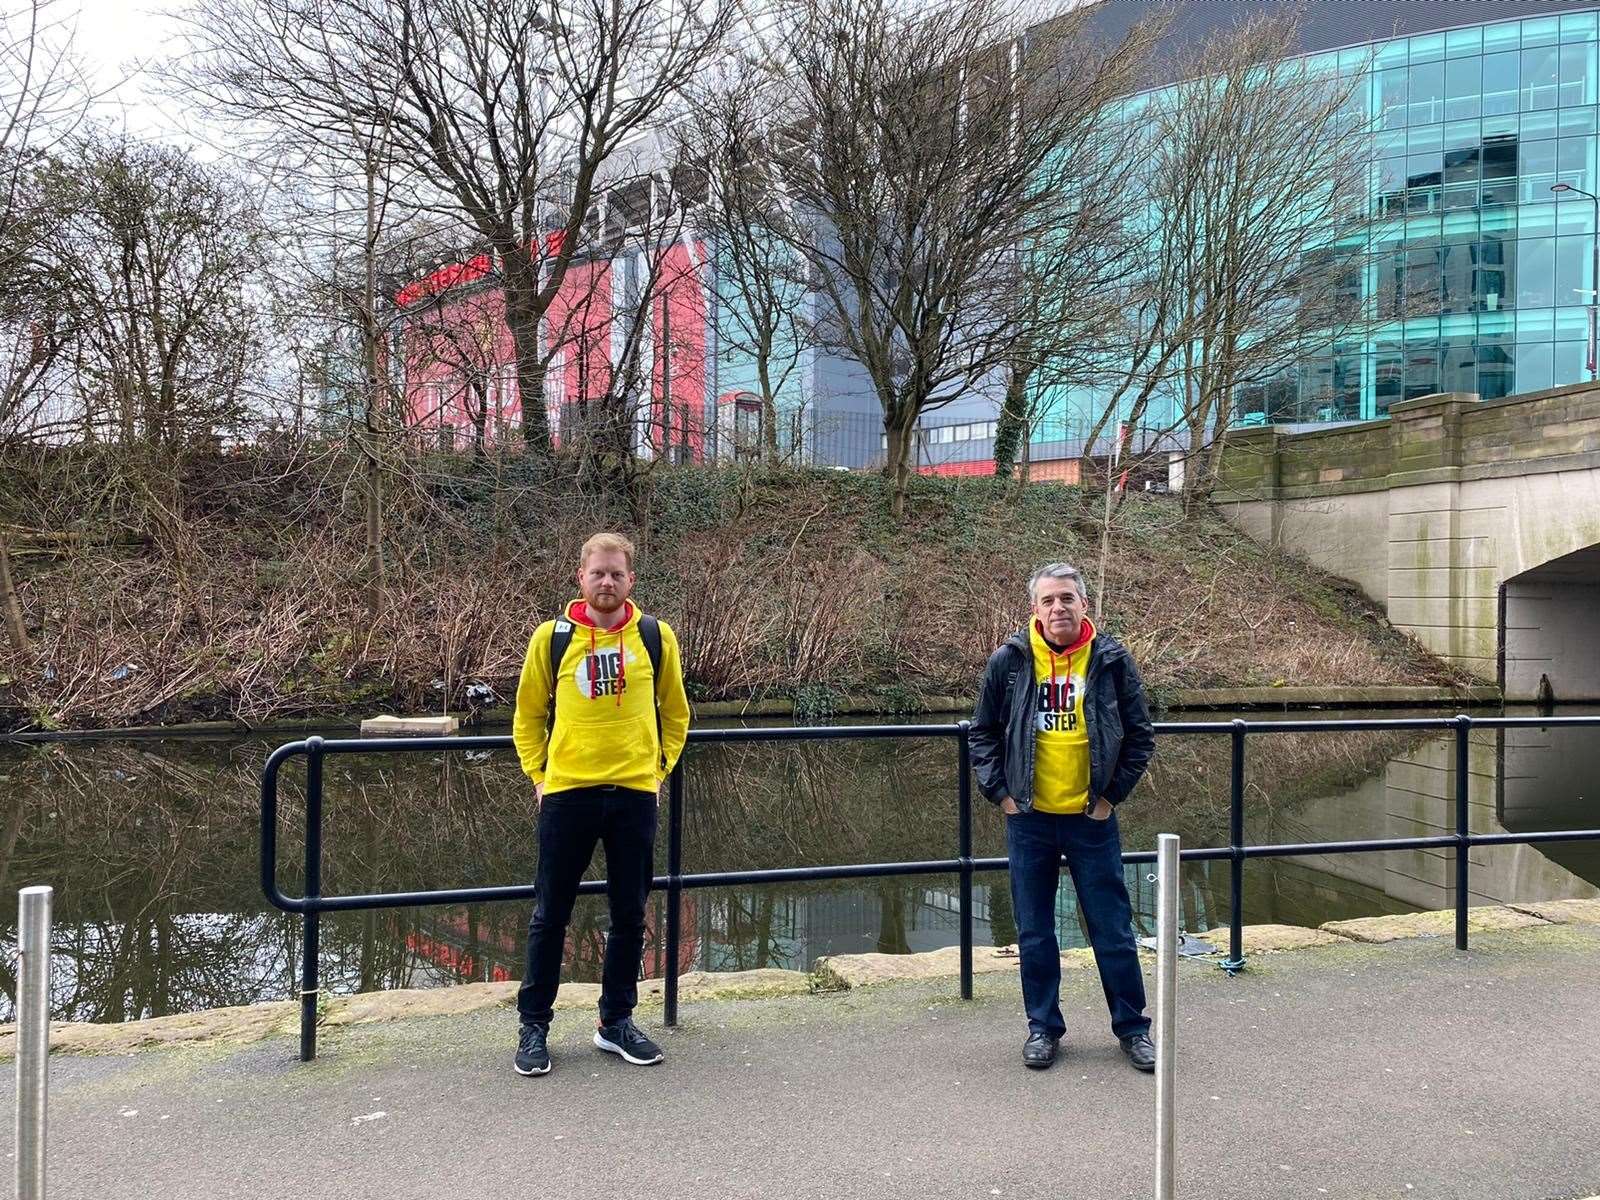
1060	737
601	719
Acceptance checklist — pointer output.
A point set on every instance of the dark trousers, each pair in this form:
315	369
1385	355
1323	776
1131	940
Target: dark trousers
1035	843
570	823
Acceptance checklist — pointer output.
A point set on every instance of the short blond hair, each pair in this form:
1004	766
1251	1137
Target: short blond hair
601	543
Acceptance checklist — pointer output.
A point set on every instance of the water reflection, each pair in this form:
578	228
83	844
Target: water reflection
151	847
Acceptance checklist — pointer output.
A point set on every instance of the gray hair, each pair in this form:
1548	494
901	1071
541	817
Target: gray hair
1056	570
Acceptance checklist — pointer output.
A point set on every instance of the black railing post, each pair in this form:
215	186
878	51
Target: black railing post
1463	833
1234	963
308	951
964	851
674	889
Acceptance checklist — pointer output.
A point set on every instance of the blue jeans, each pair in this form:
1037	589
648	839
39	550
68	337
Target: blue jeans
570	824
1093	849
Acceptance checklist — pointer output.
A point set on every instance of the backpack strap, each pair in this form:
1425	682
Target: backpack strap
560	639
650	635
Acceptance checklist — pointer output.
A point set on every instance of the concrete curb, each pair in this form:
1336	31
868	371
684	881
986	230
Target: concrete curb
834	973
1441	923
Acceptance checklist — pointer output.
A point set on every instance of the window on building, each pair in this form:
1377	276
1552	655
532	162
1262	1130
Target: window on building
1424	176
1492	279
1577	69
505	388
1501	75
1422	281
1425	101
1536	270
1392	97
1541	77
1536	170
1461	170
1458	371
1389	189
1495	360
1534	366
747	427
555	390
1463	88
1457	268
1422	370
1575	167
1388	381
1388	270
1575	269
1499	171
1571	363
1316	388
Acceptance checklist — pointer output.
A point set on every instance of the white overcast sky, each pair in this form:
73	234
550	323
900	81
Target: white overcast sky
116	39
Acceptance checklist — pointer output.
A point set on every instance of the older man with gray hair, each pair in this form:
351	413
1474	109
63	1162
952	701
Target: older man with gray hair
1060	737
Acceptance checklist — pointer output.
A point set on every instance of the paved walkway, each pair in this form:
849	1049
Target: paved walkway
1401	1071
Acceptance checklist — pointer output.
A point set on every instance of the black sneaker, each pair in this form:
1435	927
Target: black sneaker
627	1039
1039	1051
532	1057
1141	1052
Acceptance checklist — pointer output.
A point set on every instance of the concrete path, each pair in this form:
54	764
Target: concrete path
1402	1071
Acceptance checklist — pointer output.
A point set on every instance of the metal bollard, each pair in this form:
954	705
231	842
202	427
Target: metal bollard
1166	1025
33	1037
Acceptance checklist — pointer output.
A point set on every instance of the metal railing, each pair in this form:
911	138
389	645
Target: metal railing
316	749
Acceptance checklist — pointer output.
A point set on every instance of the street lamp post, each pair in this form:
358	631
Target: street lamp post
1594	278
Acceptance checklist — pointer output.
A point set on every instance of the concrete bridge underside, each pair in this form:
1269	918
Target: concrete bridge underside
1476	525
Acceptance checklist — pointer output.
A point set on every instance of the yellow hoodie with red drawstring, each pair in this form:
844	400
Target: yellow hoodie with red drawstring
605	726
1060	739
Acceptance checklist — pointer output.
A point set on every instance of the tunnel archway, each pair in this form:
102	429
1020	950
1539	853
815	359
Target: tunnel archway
1550	629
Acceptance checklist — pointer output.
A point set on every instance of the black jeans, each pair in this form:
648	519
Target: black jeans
1036	842
570	823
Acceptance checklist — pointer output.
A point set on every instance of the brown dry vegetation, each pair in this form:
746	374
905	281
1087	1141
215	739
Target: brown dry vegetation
231	586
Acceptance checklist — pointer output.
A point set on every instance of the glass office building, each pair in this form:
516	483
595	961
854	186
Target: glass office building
1473	127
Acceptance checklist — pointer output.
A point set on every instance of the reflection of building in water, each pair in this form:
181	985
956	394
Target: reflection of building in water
162	963
1521	780
764	928
482	945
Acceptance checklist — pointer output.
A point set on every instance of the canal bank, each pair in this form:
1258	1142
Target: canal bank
152	847
1346	1070
498	720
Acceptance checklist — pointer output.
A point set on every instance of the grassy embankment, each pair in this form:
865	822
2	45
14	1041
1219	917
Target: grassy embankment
235	588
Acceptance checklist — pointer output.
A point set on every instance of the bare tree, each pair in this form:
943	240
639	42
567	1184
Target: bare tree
737	125
43	98
1258	177
511	111
301	78
1068	291
43	94
937	145
154	254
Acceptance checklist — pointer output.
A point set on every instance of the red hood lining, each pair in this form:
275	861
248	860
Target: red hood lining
1085	632
578	613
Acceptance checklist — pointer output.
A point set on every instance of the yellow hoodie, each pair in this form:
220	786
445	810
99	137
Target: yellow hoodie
605	726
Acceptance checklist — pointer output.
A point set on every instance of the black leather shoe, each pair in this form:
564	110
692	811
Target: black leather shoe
1141	1051
1039	1051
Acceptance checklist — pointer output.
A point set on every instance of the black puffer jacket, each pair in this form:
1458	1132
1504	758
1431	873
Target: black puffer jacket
1115	714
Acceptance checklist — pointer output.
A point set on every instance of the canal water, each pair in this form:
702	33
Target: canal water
151	846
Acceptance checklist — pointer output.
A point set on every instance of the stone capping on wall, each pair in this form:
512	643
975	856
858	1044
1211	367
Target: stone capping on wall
1441	438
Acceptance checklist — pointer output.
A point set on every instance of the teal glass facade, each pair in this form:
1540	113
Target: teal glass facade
1473	128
